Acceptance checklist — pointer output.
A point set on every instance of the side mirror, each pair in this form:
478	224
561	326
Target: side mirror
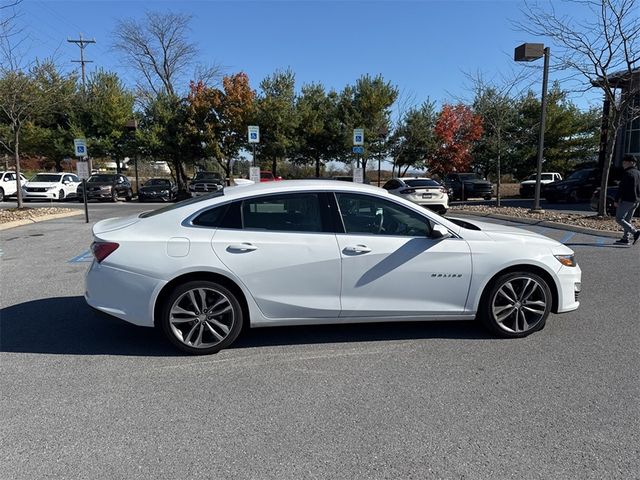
439	232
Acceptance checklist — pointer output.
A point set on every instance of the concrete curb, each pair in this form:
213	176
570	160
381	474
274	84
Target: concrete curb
29	221
541	223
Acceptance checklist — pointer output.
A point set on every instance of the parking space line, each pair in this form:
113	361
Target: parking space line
85	256
568	236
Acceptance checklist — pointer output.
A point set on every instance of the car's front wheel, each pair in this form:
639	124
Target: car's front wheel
201	317
516	304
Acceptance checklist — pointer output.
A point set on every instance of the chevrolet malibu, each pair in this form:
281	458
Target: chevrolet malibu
320	252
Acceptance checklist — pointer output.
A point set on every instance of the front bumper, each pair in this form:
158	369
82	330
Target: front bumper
40	195
569	288
122	294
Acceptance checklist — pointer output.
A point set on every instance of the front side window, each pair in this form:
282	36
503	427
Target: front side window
297	212
368	215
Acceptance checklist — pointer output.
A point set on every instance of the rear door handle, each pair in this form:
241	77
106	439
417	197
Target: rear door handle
356	249
241	247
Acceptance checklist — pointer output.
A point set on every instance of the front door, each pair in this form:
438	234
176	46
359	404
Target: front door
390	265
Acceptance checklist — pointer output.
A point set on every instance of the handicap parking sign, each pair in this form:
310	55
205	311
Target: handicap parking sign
80	146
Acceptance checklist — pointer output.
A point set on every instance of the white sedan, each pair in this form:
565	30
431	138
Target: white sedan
422	191
320	252
51	186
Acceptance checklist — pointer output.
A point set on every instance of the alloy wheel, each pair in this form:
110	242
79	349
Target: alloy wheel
519	305
201	317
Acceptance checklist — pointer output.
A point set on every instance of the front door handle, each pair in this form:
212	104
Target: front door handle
241	247
356	249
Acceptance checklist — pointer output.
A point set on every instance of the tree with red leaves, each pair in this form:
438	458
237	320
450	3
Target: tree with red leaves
456	129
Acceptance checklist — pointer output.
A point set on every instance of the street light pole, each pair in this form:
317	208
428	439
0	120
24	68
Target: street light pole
543	116
528	52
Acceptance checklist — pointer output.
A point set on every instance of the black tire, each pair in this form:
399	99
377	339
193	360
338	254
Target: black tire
494	302
114	195
80	198
129	196
232	319
487	197
61	196
1	195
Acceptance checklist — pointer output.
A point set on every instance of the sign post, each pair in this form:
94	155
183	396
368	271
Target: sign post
80	147
358	149
254	137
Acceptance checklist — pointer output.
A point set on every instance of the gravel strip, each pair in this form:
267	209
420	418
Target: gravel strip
591	221
15	214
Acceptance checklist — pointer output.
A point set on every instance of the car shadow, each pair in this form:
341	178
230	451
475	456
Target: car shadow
68	326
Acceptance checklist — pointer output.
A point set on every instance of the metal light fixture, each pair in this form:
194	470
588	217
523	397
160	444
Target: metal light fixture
528	52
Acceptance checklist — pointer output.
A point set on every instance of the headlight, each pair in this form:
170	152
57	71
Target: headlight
567	260
51	189
164	192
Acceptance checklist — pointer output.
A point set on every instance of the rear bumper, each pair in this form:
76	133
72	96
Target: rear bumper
122	294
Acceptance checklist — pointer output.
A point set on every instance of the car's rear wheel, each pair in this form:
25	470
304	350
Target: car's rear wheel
61	196
516	304
573	196
201	317
1	194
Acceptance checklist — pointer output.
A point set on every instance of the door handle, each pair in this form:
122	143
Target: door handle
241	247
356	249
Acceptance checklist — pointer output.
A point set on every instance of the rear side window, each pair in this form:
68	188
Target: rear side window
298	212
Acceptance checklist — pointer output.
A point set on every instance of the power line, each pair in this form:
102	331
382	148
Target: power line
82	43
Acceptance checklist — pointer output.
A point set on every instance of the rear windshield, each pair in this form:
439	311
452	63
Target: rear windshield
422	183
183	203
46	177
101	178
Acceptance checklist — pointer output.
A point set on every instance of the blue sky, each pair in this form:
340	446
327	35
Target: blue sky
424	47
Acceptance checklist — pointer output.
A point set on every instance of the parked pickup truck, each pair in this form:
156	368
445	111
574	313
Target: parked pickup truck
468	185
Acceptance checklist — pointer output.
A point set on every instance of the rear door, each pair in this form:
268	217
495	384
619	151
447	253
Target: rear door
286	254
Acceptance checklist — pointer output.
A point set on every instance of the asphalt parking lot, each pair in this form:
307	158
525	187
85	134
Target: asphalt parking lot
83	396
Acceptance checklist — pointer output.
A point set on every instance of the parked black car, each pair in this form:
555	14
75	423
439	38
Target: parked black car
578	186
157	189
204	183
106	186
611	196
468	185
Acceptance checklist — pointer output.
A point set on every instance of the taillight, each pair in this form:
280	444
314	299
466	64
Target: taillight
102	250
408	190
443	190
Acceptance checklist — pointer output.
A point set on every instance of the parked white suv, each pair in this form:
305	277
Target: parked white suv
8	184
51	186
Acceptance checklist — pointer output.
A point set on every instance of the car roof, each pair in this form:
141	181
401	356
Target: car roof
296	186
414	178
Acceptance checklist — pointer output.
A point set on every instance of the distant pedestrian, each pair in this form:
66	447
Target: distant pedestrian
628	199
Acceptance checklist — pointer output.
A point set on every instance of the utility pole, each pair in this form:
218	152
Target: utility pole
82	43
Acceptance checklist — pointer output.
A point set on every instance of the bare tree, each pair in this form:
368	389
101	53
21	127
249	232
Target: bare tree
603	51
158	48
8	14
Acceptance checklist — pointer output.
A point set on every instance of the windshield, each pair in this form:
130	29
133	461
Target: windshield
46	177
207	176
157	182
184	203
423	182
579	175
101	178
469	176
